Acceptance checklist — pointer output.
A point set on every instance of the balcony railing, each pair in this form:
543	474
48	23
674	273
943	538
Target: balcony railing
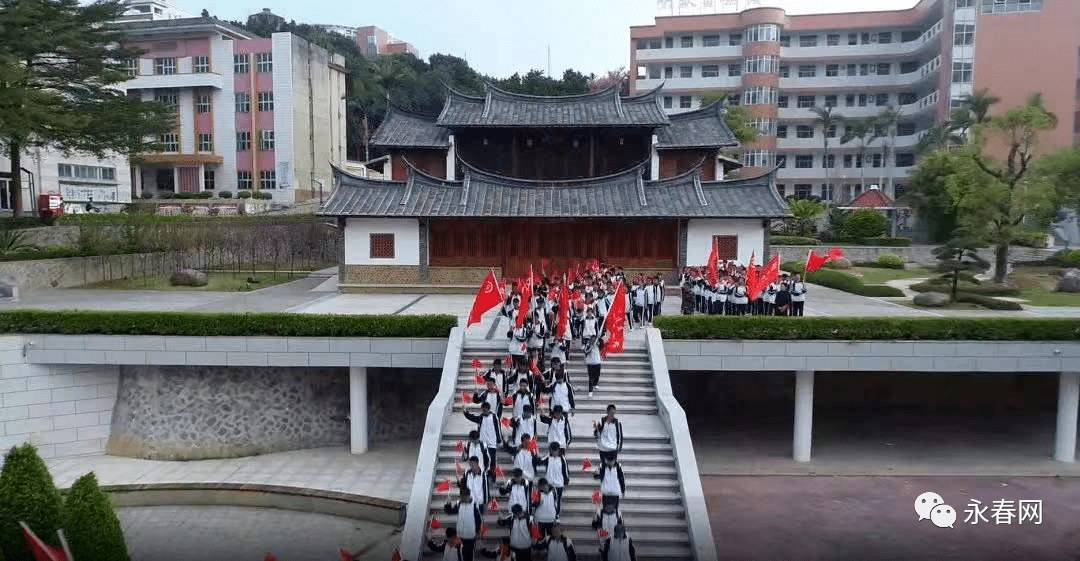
178	80
868	81
688	53
905	48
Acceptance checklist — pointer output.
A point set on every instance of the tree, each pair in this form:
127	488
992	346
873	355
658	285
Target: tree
885	125
803	214
27	494
974	110
939	136
827	120
860	130
619	77
1061	171
865	223
958	260
90	523
930	199
59	64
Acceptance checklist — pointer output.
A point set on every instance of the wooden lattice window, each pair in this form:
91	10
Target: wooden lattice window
727	247
382	246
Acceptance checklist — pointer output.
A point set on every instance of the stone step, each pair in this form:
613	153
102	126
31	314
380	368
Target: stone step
595	407
640	512
585	535
630	445
586	552
575	459
447	468
452	436
584	495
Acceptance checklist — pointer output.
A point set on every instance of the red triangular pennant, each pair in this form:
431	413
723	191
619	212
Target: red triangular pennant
586	465
396	556
466	398
476	363
499	471
435	524
534	531
494	504
508	400
505	422
460	446
345	555
479	379
535	496
596	497
443	487
602	533
459	469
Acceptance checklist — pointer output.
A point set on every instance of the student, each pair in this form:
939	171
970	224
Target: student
537	332
612	483
607	518
558	349
518	375
558	473
798	295
498	375
782	302
476	482
590	327
491	395
518	341
740	299
562	393
525	424
558	546
593	362
518	488
476	448
525	459
649	293
608	433
558	427
490	433
618	547
523	398
451	548
658	290
639	304
469	520
502	552
520	540
545	507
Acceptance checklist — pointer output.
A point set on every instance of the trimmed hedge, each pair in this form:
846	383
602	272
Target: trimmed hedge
27	494
869	329
208	324
988	302
940	285
843	281
887	241
889	261
792	240
90	523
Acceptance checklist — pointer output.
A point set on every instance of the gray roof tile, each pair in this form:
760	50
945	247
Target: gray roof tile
409	130
703	128
604	108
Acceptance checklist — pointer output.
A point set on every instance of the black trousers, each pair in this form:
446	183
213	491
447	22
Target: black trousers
467	547
522	554
492	460
604	455
545	528
609	500
797	308
594	375
656	308
637	314
558	499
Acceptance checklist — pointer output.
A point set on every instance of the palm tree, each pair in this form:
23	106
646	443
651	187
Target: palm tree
826	119
939	136
886	122
861	130
974	109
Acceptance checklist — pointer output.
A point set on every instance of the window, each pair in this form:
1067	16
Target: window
170	98
830	101
905	159
849	100
243	180
832	70
862	100
780	188
832	39
206	142
766	64
865	38
170	142
382	246
202	103
781	162
710	40
881	99
266	101
654	72
864	69
264	62
883	68
209	180
963	34
764	127
642	72
131	67
847	160
905	129
909	35
686	41
243	102
785	71
762	32
667	102
807	40
852	38
200	64
759	96
686	71
785	40
961	71
803	190
86	173
909	66
829	161
807	70
165	65
781	131
852	69
669	72
734	69
826	191
243	141
906	98
669	42
805	101
1010	6
884	37
804	131
830	132
965	3
756	158
240	64
804	161
267	179
266	140
684	102
782	101
734	39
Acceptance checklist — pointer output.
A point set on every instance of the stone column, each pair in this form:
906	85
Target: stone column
358	409
804	414
1068	402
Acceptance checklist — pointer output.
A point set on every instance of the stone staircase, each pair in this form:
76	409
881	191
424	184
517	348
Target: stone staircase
653	509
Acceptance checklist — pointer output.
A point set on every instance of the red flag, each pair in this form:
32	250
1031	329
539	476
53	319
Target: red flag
499	471
534	530
43	551
460	446
269	557
494	504
508	400
483	526
563	322
435	524
479	379
532	445
345	555
443	487
507	360
814	261
534	279
593	266
477	364
396	556
533	367
526	297
466	398
713	265
535	496
602	533
835	253
553	292
615	323
751	279
586	465
544	262
505	422
487	298
596	497
539	401
770	273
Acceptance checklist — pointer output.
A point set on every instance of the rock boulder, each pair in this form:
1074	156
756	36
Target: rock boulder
931	299
1070	282
188	277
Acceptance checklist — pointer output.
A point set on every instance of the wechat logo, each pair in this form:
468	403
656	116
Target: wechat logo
930	506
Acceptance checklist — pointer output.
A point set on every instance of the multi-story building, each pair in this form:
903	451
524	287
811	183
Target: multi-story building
253	113
374	41
151	10
920	62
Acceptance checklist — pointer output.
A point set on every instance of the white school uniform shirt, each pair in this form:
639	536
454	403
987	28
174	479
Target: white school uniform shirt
721	294
739	295
525	426
593	356
451	553
557	433
523	460
609	485
798	292
475	483
519	495
589	329
555	470
649	294
608	521
639	296
608	440
466	521
602	306
545	512
560	395
618	550
557	551
520	535
476	449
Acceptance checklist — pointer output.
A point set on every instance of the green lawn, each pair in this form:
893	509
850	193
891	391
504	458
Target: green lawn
874	275
218	282
1038	286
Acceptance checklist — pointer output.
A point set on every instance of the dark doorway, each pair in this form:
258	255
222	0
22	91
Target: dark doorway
166	180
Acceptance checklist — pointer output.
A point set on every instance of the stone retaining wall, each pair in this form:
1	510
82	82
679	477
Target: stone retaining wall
918	254
398	400
79	271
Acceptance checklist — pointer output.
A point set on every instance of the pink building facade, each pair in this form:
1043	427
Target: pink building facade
374	41
253	113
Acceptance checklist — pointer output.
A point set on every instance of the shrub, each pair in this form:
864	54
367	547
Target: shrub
1066	258
865	223
987	301
792	240
225	194
842	263
869	329
166	195
842	281
209	324
27	494
90	523
243	194
204	194
889	261
146	195
886	241
942	285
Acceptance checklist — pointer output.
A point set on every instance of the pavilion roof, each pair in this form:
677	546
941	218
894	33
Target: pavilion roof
702	128
603	108
872	198
403	129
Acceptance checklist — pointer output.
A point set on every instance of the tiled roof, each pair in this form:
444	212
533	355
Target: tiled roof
623	195
604	108
703	128
871	198
409	130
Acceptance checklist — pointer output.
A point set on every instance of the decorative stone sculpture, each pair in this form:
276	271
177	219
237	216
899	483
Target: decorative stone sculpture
188	277
931	299
1070	282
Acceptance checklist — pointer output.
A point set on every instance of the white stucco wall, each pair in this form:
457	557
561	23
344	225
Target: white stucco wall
699	233
406	240
42	162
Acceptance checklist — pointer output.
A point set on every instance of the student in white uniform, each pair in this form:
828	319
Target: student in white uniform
618	547
798	295
558	546
469	520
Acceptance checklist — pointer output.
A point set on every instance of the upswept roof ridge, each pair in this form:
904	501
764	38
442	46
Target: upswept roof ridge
403	128
500	108
700	128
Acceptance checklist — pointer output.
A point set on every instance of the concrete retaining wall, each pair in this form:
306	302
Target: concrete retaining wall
78	271
918	254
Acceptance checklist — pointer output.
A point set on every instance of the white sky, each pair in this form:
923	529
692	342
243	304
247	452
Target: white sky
500	37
